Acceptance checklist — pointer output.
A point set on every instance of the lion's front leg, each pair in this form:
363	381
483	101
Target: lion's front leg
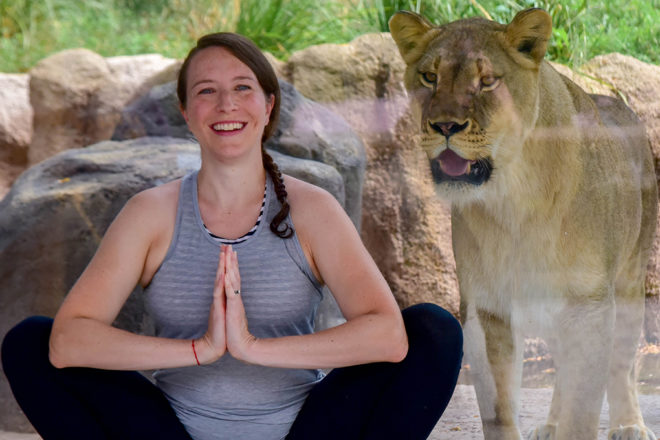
495	369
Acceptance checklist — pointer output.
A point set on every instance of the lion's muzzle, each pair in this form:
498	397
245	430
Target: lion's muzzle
450	167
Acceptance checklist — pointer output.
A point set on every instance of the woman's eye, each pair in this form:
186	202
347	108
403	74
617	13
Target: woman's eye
429	78
205	91
242	87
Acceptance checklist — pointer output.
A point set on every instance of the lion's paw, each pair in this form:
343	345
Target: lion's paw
632	432
543	432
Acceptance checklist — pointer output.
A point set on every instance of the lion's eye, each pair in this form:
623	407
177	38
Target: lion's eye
489	83
429	78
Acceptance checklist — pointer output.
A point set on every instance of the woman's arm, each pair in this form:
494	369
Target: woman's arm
374	329
130	252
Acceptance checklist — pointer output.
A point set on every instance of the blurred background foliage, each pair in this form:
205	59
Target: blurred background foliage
32	29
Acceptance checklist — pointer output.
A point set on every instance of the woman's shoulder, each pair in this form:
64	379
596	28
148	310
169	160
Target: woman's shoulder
149	211
159	198
305	195
313	207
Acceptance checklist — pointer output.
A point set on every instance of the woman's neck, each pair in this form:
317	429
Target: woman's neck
230	188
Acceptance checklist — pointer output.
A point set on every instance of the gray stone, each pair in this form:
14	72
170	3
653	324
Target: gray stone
137	74
15	117
71	93
15	127
308	130
53	219
77	96
153	114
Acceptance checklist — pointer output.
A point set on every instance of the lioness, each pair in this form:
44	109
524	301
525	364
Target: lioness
554	206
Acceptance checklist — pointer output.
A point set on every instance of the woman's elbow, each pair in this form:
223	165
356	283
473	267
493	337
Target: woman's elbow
55	353
398	346
55	360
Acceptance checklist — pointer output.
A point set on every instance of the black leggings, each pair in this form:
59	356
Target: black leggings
373	401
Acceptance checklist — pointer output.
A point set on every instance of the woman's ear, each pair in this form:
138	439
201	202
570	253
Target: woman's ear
182	109
270	103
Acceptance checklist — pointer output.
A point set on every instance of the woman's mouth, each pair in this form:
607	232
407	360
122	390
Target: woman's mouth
228	127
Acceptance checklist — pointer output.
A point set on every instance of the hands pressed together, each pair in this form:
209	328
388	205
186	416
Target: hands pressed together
228	327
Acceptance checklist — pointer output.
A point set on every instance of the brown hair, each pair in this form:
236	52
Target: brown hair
250	55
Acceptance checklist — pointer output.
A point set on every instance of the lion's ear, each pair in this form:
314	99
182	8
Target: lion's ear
529	32
411	33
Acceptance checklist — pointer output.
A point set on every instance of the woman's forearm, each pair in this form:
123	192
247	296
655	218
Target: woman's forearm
364	339
85	342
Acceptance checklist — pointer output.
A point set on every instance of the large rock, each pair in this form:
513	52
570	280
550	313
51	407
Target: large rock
156	113
586	82
15	127
69	92
77	96
306	130
137	74
53	219
638	83
309	130
404	227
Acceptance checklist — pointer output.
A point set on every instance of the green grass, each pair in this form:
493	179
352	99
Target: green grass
32	29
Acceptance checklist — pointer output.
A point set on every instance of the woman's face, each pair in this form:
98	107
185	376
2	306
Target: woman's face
226	108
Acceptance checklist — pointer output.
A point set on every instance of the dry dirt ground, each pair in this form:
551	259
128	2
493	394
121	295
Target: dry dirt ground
461	419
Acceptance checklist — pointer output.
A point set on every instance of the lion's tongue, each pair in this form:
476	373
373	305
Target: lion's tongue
452	164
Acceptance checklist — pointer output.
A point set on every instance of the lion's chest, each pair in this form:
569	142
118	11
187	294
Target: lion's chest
526	271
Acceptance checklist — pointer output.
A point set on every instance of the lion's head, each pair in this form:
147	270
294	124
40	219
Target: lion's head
475	92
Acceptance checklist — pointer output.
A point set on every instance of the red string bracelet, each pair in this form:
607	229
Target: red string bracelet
195	352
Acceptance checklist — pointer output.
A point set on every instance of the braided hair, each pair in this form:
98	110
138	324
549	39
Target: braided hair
282	230
250	55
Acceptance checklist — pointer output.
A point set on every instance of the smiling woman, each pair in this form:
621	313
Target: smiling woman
226	108
235	351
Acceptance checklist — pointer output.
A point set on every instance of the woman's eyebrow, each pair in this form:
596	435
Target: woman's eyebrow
244	77
201	81
236	78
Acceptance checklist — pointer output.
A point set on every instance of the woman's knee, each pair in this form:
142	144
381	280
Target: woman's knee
430	327
26	341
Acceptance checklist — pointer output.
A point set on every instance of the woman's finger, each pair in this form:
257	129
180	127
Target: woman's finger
232	273
220	274
214	342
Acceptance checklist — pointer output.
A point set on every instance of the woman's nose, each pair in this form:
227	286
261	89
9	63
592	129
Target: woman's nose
225	101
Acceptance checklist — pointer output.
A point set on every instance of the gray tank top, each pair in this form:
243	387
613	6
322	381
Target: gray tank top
230	399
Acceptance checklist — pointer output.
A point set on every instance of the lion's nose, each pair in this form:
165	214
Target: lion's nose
448	129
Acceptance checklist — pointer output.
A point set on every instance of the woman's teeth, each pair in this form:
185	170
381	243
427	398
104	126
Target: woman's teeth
229	126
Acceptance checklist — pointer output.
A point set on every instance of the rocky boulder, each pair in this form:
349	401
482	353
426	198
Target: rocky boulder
156	113
137	74
15	127
53	219
77	96
405	228
638	83
309	130
586	82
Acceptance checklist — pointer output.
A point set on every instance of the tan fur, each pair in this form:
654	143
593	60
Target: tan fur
557	238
